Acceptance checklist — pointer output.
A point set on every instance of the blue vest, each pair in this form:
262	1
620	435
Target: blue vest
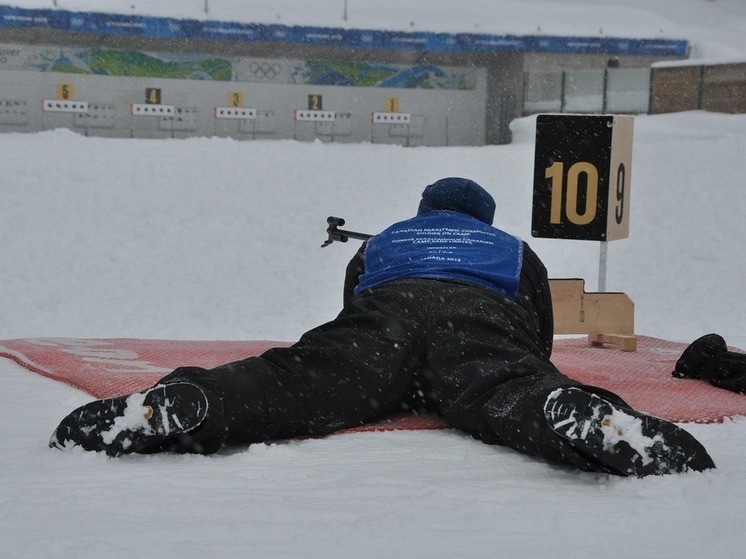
444	245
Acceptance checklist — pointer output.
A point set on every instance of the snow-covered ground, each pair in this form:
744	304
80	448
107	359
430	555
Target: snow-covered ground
219	239
214	238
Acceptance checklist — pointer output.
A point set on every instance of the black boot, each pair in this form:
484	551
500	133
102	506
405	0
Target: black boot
164	417
621	440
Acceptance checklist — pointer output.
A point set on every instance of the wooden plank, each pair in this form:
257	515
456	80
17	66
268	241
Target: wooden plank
724	88
605	317
627	343
674	89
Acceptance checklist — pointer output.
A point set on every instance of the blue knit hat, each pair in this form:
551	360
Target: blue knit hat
458	195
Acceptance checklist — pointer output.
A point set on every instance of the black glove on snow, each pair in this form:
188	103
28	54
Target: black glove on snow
708	358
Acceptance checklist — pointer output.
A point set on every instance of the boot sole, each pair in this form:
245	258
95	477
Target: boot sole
625	441
135	422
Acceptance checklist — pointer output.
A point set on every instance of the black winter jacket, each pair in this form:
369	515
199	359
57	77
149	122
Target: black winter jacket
533	296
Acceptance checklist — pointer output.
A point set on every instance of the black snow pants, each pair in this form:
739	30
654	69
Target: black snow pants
458	350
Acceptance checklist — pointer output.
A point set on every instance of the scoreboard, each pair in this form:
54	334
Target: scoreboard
582	172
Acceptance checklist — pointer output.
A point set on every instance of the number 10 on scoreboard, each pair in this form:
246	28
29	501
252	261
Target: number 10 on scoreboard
582	172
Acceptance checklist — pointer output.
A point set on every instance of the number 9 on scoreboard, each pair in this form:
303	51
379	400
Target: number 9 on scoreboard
582	171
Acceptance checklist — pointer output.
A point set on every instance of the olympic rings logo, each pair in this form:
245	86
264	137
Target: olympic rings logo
265	70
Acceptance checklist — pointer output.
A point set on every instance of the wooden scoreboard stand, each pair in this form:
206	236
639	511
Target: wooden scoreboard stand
582	172
605	317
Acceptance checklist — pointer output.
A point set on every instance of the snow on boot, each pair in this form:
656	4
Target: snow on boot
134	423
622	440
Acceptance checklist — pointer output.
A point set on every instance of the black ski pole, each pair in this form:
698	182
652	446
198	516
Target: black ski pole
341	235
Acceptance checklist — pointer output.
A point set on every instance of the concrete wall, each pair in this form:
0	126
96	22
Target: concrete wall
424	117
499	67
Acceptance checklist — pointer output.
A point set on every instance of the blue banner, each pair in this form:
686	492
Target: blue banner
169	28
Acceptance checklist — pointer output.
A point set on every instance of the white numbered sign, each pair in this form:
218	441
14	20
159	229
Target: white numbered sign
582	171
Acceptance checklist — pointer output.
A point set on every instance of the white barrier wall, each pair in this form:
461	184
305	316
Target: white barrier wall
87	71
164	108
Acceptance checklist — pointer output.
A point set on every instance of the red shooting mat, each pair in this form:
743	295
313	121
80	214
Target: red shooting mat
112	367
